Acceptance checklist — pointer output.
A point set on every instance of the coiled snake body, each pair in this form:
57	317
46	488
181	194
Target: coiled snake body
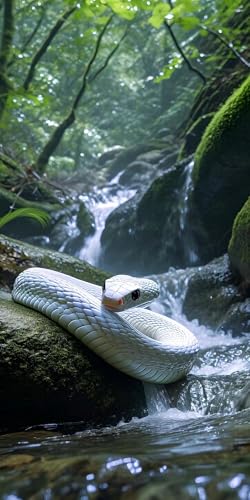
139	342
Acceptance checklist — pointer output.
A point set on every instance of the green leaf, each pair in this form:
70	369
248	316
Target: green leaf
159	14
34	213
122	8
166	73
203	32
189	22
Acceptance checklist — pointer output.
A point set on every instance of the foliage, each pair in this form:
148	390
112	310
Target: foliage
132	90
33	213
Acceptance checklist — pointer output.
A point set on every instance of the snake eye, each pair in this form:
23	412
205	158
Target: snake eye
135	294
103	286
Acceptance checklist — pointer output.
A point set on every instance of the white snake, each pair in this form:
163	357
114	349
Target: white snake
139	342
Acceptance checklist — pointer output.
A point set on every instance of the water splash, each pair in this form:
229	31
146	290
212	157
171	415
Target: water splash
157	398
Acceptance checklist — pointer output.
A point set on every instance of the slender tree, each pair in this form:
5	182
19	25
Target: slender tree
5	50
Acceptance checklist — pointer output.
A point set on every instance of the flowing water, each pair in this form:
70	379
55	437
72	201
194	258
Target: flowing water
101	203
193	444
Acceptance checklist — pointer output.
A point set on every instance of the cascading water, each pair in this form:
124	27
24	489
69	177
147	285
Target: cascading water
101	203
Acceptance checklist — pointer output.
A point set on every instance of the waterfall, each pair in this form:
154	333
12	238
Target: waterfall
101	203
190	251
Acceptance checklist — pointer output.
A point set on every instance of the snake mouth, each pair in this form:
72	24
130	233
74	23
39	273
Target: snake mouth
113	304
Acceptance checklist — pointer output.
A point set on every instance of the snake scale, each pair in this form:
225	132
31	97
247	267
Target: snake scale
112	321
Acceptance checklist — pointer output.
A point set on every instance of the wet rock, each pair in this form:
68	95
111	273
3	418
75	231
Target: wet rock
129	155
239	246
222	168
213	298
242	399
118	254
149	229
46	375
84	226
153	156
139	173
200	393
110	154
194	134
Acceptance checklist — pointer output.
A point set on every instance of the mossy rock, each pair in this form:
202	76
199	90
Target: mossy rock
221	171
239	245
17	256
47	375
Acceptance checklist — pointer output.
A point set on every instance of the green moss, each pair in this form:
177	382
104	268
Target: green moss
239	245
228	128
17	256
46	374
221	171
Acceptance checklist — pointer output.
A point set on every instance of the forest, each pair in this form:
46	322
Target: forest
124	150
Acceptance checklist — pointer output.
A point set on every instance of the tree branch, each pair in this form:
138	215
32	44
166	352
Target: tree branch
58	133
105	64
90	63
41	51
36	28
182	53
228	44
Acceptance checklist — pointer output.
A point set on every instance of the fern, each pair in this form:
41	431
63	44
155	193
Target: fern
34	213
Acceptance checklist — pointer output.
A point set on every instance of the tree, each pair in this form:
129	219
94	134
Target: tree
42	93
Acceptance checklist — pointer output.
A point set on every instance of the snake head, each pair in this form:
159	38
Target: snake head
122	292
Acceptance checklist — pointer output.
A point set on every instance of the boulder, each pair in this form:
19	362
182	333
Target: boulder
213	298
16	256
239	246
46	374
221	171
128	155
149	228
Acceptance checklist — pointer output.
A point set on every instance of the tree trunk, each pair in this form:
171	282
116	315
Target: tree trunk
5	51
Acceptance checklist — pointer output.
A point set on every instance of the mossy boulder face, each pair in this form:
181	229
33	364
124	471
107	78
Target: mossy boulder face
239	245
46	374
222	170
17	256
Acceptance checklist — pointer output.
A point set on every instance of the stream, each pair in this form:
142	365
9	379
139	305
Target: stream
193	444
